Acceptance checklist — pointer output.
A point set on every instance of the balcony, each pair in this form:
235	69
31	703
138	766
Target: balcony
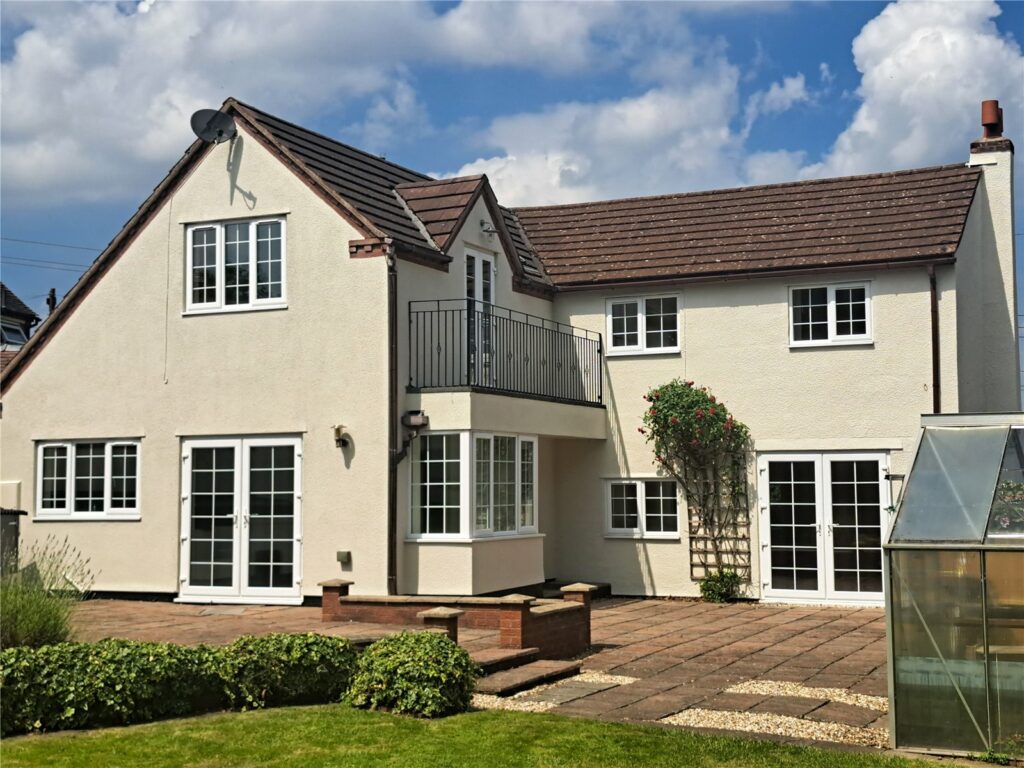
460	344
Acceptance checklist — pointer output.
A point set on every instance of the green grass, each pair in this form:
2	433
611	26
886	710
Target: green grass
337	735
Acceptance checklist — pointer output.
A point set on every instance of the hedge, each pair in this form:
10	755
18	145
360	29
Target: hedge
415	673
120	682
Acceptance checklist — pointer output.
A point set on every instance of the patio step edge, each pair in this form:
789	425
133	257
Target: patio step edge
493	660
510	681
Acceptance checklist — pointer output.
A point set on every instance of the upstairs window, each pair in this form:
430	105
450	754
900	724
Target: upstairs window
88	479
647	325
235	266
830	314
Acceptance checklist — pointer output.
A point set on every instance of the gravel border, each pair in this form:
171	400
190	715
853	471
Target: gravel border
510	703
779	725
770	688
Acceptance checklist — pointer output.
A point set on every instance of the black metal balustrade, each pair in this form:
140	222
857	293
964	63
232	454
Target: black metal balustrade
460	343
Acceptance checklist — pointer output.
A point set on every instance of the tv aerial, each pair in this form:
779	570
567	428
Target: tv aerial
213	126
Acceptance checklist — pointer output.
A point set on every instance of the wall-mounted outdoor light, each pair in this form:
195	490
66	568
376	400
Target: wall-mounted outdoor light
342	439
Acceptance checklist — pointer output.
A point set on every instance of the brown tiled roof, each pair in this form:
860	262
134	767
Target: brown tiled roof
6	355
442	205
881	218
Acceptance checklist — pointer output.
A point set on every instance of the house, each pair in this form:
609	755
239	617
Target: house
326	365
16	322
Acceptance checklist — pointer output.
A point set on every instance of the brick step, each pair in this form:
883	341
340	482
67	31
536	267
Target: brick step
493	660
510	681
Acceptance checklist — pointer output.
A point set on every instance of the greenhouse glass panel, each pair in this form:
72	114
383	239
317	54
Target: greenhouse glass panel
950	488
1007	520
1004	572
938	649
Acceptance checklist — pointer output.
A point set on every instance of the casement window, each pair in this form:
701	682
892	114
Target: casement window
12	334
466	485
643	325
830	314
235	265
643	509
88	480
436	485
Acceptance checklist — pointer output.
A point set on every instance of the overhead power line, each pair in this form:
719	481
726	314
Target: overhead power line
52	245
15	262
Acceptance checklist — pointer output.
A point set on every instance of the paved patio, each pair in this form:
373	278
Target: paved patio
795	672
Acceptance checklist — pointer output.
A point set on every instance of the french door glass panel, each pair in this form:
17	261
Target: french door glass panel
793	521
823	520
241	535
855	525
480	296
213	518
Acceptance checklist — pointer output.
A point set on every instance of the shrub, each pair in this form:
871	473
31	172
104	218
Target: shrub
720	586
275	670
38	599
112	682
416	673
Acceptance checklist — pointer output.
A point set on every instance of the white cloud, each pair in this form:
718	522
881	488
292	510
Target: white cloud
399	115
925	68
670	138
825	73
779	97
96	97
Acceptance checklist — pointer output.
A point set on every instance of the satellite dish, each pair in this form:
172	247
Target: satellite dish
213	126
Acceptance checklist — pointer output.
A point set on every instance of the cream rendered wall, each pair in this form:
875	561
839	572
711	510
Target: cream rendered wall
484	565
734	338
986	285
129	364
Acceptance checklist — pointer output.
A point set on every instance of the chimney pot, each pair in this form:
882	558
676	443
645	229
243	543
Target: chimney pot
992	119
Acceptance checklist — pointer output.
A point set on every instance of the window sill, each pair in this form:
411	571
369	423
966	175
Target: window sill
471	540
234	310
842	343
636	352
645	536
87	517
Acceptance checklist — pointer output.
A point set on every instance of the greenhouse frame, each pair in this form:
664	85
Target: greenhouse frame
954	590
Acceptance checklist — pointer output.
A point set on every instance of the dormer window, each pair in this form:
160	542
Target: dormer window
235	265
12	335
830	314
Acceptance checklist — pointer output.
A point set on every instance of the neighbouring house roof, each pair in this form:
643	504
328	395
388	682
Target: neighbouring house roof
879	219
11	305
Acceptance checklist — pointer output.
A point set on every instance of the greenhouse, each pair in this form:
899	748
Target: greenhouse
955	590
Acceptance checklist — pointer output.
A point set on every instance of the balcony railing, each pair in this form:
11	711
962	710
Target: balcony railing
460	343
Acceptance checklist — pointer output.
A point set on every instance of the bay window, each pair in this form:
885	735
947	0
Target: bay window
88	480
235	265
470	485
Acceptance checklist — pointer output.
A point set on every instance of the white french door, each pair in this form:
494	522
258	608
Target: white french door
241	521
479	318
821	522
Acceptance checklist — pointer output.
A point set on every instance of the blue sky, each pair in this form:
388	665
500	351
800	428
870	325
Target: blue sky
556	102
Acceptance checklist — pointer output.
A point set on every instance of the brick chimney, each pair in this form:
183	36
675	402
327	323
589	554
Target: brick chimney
988	356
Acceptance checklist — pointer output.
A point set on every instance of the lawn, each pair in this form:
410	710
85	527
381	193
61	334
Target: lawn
336	735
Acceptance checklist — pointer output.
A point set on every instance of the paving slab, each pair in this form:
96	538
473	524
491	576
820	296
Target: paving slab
790	706
566	692
847	714
733	702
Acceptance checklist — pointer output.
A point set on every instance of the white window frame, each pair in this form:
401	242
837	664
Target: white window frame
468	529
641	532
641	348
67	512
16	329
833	339
218	306
465	487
